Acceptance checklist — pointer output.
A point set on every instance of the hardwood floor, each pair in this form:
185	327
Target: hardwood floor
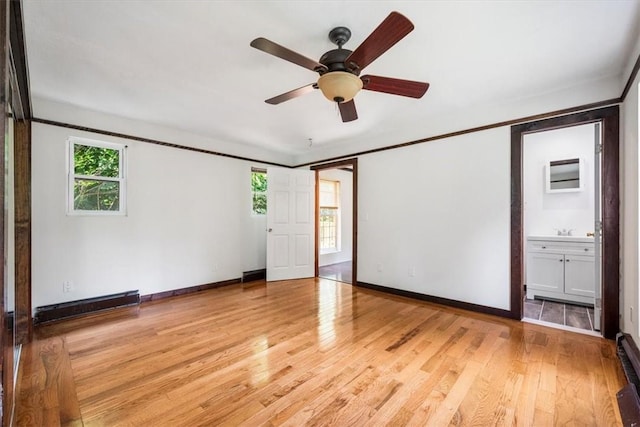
342	271
314	352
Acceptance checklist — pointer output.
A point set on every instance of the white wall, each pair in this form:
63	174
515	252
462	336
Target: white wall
434	218
629	188
545	213
189	215
255	243
346	217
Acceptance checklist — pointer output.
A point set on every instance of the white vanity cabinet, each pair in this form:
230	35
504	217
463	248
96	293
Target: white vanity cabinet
561	268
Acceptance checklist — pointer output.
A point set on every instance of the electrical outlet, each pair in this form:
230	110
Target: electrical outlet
379	267
67	286
412	271
631	314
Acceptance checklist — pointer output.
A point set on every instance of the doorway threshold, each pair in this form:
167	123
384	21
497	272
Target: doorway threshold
562	327
340	272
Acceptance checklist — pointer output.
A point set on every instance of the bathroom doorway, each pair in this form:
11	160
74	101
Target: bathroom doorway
336	210
561	183
604	254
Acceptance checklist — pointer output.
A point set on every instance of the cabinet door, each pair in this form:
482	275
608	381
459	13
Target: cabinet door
545	271
579	275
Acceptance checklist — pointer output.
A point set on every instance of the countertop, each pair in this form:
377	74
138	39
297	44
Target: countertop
555	238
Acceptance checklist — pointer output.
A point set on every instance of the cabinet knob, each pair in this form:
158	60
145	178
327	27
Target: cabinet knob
586	249
544	247
567	260
560	260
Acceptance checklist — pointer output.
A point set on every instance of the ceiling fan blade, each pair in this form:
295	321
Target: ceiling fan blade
292	94
389	32
394	86
288	55
348	111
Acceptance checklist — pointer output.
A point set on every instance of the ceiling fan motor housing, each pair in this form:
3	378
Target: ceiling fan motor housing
338	83
334	61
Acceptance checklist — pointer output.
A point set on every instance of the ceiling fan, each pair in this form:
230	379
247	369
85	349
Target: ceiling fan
339	68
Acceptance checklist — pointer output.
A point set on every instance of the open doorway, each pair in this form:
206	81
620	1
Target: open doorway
336	225
610	219
561	185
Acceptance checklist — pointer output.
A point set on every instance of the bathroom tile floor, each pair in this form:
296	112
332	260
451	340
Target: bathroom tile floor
576	316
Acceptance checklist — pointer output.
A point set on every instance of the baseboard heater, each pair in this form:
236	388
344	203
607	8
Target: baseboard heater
250	276
628	398
49	313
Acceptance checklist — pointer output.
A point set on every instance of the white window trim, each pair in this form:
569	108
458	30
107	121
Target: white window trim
71	176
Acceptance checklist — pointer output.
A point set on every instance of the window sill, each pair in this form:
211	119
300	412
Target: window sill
97	213
329	251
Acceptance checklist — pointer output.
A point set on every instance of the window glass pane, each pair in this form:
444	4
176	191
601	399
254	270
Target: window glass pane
258	182
96	161
328	228
328	193
95	195
260	203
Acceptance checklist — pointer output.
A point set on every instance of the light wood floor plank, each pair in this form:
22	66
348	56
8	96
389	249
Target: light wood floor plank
312	352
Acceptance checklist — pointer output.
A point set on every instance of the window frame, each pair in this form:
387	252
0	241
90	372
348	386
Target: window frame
337	213
254	193
336	237
72	176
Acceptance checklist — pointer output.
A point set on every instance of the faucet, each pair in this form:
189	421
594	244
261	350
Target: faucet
564	232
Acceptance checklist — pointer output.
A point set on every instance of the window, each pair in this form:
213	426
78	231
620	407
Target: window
96	177
259	191
329	215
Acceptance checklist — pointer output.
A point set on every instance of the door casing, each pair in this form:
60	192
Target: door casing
353	163
610	202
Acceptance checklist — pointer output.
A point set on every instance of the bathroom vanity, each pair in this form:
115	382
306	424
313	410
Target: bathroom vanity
561	268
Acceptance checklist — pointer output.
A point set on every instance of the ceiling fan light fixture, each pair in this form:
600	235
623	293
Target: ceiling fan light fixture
339	86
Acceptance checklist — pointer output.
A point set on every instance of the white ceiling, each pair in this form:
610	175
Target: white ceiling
188	64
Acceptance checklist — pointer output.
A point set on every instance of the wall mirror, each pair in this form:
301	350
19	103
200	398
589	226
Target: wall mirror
564	176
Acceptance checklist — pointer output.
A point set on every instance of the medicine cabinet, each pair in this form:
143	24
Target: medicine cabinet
563	176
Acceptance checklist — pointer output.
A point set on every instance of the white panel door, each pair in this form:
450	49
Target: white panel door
290	223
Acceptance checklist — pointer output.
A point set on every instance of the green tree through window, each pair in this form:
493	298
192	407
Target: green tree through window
97	177
259	191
